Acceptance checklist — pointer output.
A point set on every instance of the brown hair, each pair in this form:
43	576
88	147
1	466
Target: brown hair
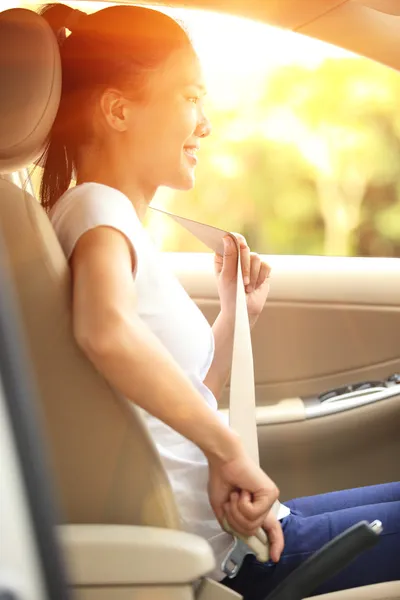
117	46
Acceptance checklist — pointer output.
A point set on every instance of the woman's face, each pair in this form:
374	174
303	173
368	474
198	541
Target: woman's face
166	129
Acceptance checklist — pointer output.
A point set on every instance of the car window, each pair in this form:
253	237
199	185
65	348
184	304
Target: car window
303	158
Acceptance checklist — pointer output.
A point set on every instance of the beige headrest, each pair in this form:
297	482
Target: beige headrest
30	86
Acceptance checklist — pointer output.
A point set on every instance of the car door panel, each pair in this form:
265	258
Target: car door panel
348	449
328	322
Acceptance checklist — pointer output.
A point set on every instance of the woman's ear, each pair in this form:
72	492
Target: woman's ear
115	109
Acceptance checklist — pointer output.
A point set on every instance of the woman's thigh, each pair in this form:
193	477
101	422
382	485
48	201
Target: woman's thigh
333	501
305	535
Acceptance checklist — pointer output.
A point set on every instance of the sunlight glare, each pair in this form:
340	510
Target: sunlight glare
237	54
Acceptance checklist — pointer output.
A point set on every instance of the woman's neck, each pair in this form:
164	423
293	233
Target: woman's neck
105	170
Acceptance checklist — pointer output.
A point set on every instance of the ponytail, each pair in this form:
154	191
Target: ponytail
57	172
57	16
57	158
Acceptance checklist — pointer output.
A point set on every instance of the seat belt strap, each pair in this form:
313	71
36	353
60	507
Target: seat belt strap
242	402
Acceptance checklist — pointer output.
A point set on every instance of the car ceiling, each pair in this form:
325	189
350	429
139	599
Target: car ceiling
367	27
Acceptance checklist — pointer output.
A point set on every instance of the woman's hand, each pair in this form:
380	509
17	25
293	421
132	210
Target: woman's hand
271	525
240	491
255	275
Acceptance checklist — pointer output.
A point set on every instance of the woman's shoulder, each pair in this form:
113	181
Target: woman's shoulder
90	205
92	197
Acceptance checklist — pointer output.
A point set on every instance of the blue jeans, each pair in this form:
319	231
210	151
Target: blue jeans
314	521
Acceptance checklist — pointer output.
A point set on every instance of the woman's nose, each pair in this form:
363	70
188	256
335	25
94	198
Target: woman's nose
203	128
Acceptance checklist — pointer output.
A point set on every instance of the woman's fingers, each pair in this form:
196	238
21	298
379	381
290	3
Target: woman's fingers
250	508
274	532
254	270
245	259
263	274
255	267
242	525
237	520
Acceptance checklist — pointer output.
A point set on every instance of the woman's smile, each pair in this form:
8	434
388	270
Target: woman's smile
191	154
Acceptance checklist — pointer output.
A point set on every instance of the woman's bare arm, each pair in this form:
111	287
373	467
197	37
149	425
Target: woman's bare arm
126	352
218	374
132	359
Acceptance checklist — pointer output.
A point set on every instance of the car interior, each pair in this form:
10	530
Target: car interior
326	349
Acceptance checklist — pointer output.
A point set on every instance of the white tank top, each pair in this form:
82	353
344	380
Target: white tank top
164	305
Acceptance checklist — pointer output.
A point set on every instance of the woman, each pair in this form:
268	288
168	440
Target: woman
130	120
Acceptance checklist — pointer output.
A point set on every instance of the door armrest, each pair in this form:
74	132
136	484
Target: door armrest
130	555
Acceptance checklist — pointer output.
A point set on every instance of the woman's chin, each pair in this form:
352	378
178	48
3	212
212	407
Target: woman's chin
189	185
184	183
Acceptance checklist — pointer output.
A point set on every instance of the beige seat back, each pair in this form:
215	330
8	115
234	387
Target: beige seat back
105	466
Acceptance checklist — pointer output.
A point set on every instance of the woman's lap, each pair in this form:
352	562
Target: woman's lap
306	532
333	501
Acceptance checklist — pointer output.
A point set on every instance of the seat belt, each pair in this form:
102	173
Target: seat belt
242	403
242	417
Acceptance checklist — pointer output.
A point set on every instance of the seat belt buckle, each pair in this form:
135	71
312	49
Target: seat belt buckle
257	545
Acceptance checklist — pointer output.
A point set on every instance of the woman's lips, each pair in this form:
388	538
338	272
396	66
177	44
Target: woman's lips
190	152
